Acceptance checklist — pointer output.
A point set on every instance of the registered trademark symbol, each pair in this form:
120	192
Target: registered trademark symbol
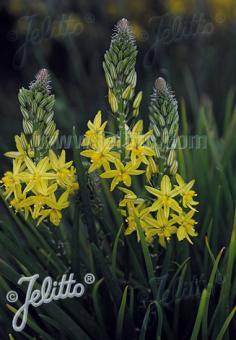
89	278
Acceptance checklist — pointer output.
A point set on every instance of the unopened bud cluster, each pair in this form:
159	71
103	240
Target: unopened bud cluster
164	121
36	105
119	66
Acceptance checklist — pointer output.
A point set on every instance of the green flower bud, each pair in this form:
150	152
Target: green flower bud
36	139
137	100
54	138
51	127
27	127
24	112
112	101
127	92
40	113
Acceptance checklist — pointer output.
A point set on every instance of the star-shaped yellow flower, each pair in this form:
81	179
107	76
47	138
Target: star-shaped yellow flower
136	145
122	173
186	193
186	225
165	196
101	155
160	226
36	176
12	178
65	173
136	212
23	149
55	207
18	201
96	128
129	198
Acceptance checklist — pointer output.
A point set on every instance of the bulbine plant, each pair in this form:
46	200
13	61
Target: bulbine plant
130	152
121	207
40	181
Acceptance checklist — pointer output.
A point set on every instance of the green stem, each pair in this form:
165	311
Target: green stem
122	134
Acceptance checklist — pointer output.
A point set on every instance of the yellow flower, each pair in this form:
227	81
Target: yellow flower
140	212
71	183
122	173
136	147
160	226
151	168
101	155
12	178
36	176
18	200
65	172
59	163
38	201
186	193
165	197
54	213
129	198
23	149
95	129
186	225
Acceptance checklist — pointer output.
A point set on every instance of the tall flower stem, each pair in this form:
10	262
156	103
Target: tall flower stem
164	121
119	66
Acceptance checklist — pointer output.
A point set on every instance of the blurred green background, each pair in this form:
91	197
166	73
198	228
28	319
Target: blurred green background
191	43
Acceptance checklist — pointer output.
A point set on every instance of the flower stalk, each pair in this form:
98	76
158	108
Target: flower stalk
36	105
40	182
164	121
119	67
169	205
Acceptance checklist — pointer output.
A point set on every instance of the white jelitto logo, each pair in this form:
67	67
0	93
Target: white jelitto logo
50	291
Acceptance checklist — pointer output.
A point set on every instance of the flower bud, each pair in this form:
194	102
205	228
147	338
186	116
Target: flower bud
34	107
174	168
38	97
36	139
23	141
48	118
51	127
136	112
24	112
165	136
137	100
27	127
171	157
54	138
40	114
51	103
112	101
127	92
109	80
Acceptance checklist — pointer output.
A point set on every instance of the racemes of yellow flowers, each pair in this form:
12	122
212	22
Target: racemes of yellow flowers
40	182
168	211
166	204
165	216
104	152
32	187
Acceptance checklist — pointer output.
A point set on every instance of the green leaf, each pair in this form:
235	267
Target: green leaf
146	321
200	315
121	316
88	214
209	290
226	325
114	250
147	258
